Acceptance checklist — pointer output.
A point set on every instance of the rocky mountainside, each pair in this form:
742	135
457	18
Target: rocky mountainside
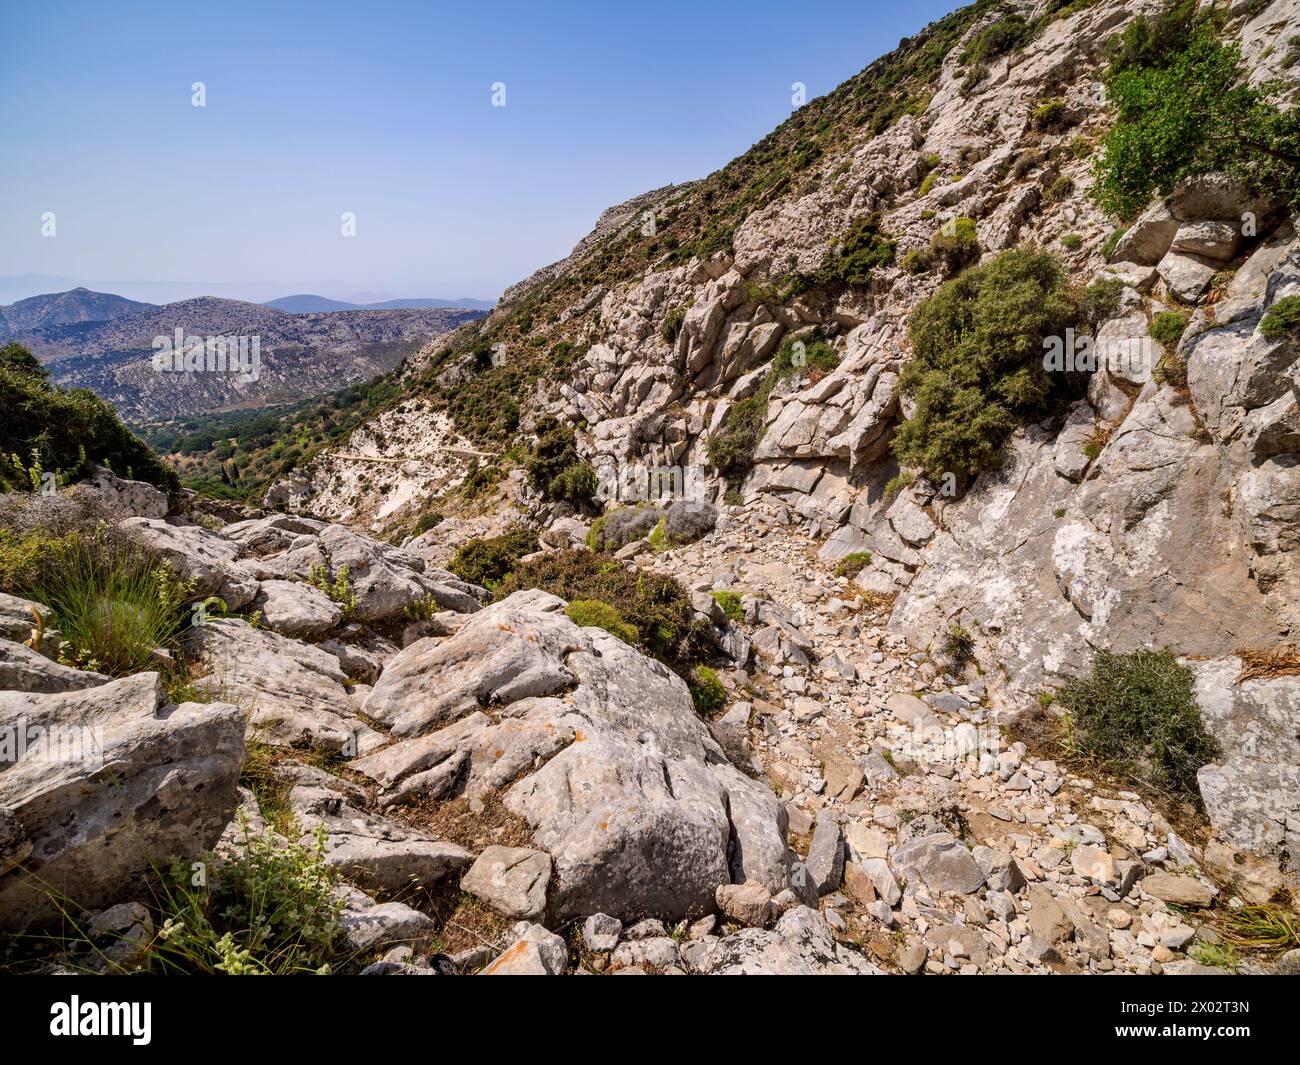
300	355
65	308
936	658
1153	506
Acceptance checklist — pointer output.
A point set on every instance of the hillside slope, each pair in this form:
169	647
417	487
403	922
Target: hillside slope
300	355
1132	506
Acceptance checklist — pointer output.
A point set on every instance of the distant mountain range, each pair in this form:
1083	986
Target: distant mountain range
22	286
107	343
308	304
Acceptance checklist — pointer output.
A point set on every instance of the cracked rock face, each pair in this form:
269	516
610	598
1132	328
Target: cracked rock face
152	782
600	750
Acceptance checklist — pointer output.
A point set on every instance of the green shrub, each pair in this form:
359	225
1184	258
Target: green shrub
956	244
1137	712
1101	301
917	261
730	604
554	468
271	909
672	324
1184	107
1072	241
997	40
1167	327
977	369
706	691
1282	319
731	448
897	483
852	564
1112	242
67	430
337	585
931	179
860	251
591	612
1050	115
656	605
958	644
490	560
1059	190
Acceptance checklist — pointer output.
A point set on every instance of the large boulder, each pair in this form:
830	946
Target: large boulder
198	555
115	785
600	753
295	693
294	608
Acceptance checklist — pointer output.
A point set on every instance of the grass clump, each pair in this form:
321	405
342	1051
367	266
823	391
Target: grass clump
1137	713
488	561
978	368
1282	319
730	604
593	613
112	599
852	564
1167	327
706	691
1072	241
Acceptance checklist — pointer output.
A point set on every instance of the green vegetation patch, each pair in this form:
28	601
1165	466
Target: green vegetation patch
977	371
488	561
1137	713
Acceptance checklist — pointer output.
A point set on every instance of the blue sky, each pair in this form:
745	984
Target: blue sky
384	110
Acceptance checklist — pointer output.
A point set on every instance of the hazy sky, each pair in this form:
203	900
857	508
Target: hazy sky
383	110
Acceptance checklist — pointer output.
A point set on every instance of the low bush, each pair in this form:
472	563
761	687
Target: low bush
852	564
1137	713
618	528
1167	327
657	606
955	244
730	604
706	691
591	612
488	561
1050	115
1282	319
1101	301
917	261
554	468
1072	241
271	909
